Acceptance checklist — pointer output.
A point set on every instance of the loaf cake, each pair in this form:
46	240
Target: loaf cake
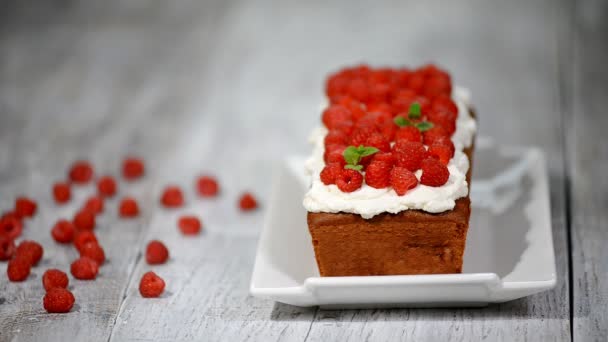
390	173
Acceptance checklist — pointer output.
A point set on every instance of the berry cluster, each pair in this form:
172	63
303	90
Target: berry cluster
80	231
385	124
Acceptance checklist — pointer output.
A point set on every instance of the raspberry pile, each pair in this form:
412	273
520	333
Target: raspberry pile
386	124
79	231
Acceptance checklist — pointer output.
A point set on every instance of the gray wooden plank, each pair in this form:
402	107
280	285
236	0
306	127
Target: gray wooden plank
231	91
588	149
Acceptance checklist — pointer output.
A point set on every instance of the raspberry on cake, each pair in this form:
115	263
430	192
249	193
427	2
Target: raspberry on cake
390	173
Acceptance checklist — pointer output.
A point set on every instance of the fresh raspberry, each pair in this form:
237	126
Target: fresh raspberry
30	250
375	119
349	180
358	90
106	186
335	137
434	133
330	172
379	92
84	220
377	174
58	300
402	100
444	102
334	154
132	168
416	82
247	202
207	186
336	84
446	141
335	114
94	251
385	157
361	134
83	238
156	253
10	227
61	192
128	207
403	76
434	173
94	205
402	180
189	225
18	269
7	248
444	119
151	285
172	197
382	110
441	152
388	130
84	268
378	141
63	231
355	107
345	127
409	154
408	133
54	278
437	85
11	215
25	207
81	172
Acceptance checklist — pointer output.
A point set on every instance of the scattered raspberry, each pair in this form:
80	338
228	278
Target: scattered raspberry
63	231
11	215
151	285
94	251
7	248
156	253
408	133
10	227
81	172
434	173
25	207
335	137
335	114
434	133
84	220
189	225
172	197
84	268
402	180
58	300
18	269
94	205
349	180
83	238
132	168
385	157
128	207
207	186
61	192
29	250
377	174
409	154
330	172
441	152
247	202
106	186
54	278
378	141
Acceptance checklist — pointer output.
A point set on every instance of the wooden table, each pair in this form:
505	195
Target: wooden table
230	88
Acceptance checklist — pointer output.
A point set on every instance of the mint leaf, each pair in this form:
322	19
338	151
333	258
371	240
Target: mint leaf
367	151
401	121
424	126
414	112
351	155
354	167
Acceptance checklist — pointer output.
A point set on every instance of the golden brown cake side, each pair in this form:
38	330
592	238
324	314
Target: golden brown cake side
410	242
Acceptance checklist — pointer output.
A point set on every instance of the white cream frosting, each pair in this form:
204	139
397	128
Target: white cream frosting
368	201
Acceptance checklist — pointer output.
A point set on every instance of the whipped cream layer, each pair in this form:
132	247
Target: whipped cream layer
368	201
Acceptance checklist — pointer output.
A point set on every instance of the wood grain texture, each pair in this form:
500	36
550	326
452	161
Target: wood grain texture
231	88
588	152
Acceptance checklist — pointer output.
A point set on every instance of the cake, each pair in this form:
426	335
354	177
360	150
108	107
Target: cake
390	173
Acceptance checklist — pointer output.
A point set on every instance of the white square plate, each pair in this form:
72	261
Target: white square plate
509	251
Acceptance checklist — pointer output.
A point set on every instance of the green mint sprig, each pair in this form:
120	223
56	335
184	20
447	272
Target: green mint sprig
413	113
353	155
